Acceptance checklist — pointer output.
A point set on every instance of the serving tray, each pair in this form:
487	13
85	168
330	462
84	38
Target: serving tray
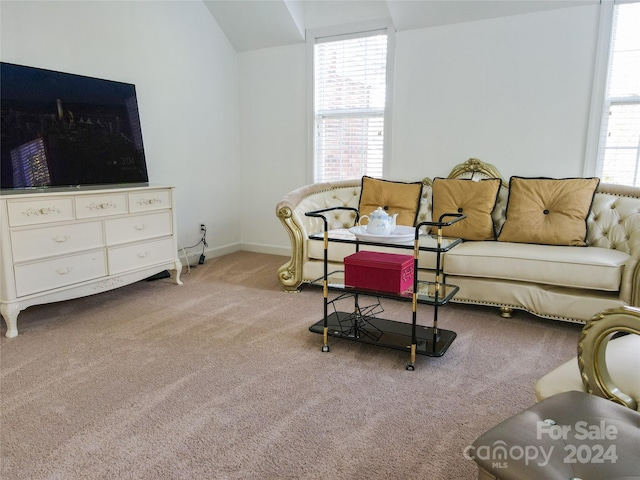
401	234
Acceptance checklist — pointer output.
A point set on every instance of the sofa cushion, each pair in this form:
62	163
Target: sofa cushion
395	197
589	267
475	199
548	211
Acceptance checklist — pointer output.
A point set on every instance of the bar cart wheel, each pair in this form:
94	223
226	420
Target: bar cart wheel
325	348
410	366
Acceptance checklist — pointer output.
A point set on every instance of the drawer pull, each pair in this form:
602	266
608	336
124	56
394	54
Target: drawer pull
139	226
149	201
101	206
61	238
63	271
142	254
41	211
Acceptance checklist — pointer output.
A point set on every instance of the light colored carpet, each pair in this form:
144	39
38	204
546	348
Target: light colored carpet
221	379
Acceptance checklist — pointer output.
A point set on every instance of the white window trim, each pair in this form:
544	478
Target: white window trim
598	94
353	29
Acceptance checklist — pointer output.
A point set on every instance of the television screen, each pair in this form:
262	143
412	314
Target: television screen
59	129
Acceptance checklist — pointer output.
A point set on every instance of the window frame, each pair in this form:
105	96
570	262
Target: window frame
603	62
353	30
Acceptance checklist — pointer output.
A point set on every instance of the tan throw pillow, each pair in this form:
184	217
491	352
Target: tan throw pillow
476	199
395	197
548	211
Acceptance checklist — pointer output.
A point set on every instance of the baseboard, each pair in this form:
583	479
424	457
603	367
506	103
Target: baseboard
223	250
193	255
268	249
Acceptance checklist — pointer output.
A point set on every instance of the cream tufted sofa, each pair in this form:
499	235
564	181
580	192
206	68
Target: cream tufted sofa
557	282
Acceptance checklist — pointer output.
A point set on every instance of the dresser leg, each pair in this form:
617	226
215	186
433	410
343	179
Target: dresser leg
10	313
175	273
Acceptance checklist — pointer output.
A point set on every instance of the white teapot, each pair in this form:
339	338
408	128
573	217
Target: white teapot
380	223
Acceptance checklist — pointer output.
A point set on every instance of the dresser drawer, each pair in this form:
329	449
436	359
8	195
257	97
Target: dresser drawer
140	255
59	272
34	212
90	206
149	200
33	243
138	227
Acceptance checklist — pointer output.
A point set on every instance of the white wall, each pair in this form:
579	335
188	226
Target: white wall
273	112
512	91
230	131
186	77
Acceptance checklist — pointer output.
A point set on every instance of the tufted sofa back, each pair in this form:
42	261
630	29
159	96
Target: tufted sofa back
614	220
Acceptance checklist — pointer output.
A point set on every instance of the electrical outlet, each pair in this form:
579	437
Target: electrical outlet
203	229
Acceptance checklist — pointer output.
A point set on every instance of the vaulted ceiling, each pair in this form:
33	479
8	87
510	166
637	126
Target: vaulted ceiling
255	24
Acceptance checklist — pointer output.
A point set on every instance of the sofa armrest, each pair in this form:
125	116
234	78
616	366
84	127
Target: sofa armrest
291	212
592	347
614	222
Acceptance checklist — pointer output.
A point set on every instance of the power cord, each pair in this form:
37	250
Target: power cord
203	241
186	259
203	229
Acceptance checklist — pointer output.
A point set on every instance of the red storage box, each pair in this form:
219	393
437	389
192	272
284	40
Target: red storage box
384	272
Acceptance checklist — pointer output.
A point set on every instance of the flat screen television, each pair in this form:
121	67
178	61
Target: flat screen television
64	130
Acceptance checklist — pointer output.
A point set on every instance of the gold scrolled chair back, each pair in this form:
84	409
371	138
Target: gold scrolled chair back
592	347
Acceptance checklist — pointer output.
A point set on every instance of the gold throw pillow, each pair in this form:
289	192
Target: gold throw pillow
394	197
548	211
476	199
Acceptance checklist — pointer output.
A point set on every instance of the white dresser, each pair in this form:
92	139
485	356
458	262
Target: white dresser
68	244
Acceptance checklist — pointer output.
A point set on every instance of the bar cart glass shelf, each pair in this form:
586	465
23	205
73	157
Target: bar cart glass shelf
360	322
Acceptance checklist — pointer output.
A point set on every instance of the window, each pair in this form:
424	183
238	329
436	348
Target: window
349	99
618	144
